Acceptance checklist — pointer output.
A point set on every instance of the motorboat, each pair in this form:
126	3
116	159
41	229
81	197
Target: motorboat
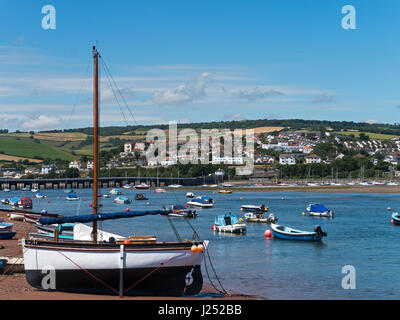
224	191
319	210
127	186
189	194
72	197
259	217
181	211
68	190
160	190
122	200
228	223
25	203
395	218
175	186
115	191
142	186
201	202
40	195
5	201
140	196
14	201
286	233
254	208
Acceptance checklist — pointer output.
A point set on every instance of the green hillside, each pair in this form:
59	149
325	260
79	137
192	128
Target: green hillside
31	149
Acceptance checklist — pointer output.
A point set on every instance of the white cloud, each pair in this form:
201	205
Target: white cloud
41	122
184	93
257	94
323	98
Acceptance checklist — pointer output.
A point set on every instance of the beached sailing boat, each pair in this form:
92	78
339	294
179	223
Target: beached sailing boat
140	265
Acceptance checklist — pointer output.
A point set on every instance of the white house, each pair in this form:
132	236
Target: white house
75	164
47	168
313	158
287	159
90	165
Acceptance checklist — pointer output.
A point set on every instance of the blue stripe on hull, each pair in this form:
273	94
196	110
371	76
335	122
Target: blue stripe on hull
7	235
297	237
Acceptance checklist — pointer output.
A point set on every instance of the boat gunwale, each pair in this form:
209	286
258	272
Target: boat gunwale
89	246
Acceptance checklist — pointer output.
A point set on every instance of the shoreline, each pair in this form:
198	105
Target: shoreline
325	189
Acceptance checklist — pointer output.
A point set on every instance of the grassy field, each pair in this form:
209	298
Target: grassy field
373	136
27	148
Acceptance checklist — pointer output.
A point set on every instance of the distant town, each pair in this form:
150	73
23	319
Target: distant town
281	152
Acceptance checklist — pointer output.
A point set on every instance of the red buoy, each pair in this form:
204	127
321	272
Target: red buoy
268	233
213	227
391	221
127	209
90	205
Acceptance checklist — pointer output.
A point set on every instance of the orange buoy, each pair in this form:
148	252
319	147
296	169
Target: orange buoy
193	248
127	242
268	233
200	248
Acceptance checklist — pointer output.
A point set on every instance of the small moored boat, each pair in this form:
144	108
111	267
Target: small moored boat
201	202
319	210
122	200
180	211
142	186
72	197
260	217
228	223
115	191
40	195
395	218
254	208
140	196
25	203
286	233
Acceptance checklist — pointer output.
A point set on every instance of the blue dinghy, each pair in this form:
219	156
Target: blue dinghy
396	218
282	232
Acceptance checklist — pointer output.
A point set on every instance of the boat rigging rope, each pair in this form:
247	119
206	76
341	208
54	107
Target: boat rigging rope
109	76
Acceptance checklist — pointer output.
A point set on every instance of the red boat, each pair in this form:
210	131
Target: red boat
25	203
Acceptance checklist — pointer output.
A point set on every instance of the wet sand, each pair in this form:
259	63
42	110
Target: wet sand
14	286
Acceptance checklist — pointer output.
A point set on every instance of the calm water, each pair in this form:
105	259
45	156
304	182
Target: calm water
360	235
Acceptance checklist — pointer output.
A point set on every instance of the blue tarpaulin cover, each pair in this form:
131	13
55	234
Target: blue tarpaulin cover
318	208
101	216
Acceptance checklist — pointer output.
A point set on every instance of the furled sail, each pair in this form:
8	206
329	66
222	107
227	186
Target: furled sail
101	216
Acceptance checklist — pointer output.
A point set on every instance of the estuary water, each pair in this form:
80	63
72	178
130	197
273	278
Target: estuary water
359	235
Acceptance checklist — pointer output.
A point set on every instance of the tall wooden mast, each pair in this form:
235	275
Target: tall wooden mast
95	139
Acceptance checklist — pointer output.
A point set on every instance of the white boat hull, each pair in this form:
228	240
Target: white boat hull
233	228
154	268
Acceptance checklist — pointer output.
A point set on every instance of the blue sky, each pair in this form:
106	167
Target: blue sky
191	61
